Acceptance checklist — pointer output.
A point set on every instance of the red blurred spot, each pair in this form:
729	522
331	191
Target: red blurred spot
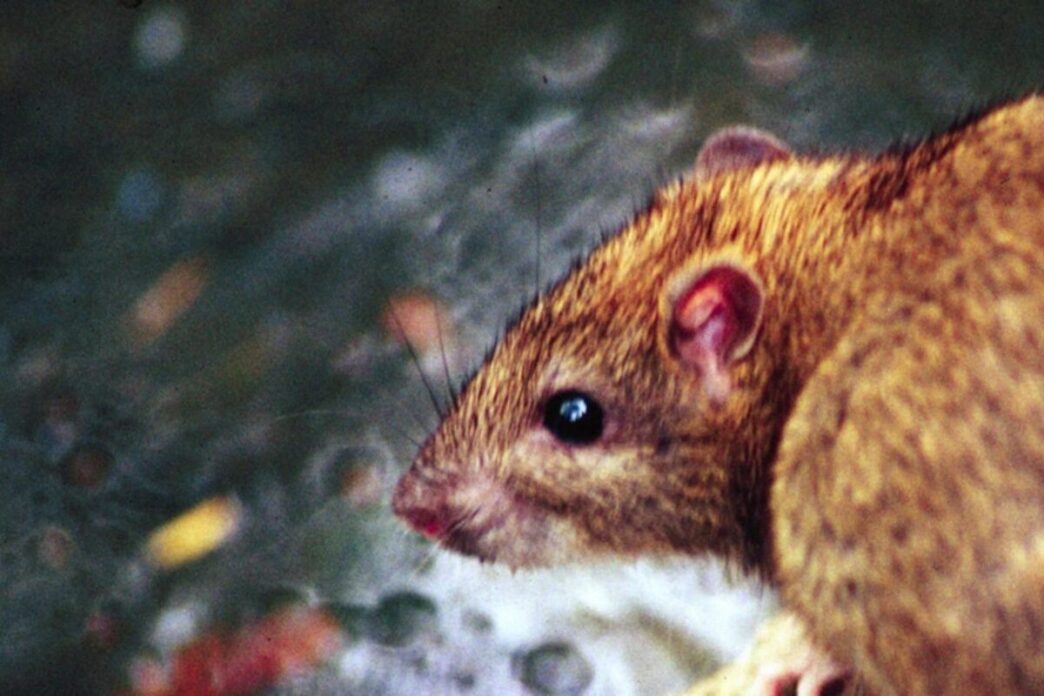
86	466
102	630
253	659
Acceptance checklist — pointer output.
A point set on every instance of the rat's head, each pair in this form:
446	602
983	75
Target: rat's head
616	413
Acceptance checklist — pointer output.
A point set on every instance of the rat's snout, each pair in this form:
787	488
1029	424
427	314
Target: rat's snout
420	506
473	514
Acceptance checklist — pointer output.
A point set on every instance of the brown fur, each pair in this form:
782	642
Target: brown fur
880	457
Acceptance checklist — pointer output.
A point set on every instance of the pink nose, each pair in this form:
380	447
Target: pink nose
424	517
427	522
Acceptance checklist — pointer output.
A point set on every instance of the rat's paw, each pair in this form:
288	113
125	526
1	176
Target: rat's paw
790	665
807	674
782	662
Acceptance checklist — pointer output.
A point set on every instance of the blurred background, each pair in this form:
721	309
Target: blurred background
223	226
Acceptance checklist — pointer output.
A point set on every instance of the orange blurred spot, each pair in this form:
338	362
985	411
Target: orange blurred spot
195	533
55	548
418	319
361	486
169	297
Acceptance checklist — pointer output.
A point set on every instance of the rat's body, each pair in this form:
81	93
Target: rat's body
830	370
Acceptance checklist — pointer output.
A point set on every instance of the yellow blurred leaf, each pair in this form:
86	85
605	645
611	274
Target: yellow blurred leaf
168	298
194	533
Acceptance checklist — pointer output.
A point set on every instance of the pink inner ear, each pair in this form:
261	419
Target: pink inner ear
705	322
714	324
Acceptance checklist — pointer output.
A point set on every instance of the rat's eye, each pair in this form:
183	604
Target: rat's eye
573	417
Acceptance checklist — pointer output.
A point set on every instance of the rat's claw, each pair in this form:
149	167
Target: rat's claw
791	665
809	673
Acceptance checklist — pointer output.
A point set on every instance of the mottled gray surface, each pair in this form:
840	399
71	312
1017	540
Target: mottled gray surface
302	162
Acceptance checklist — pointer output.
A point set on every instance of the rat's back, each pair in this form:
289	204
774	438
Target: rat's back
908	503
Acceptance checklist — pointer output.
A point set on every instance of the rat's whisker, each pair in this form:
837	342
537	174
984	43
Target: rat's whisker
416	360
539	213
311	413
422	563
404	405
352	413
463	520
404	434
392	422
445	363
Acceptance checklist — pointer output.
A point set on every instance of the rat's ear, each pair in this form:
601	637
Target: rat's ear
738	147
715	318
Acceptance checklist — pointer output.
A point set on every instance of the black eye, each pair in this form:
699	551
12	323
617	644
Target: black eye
573	417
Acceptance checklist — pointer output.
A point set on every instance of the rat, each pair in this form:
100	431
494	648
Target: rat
826	370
